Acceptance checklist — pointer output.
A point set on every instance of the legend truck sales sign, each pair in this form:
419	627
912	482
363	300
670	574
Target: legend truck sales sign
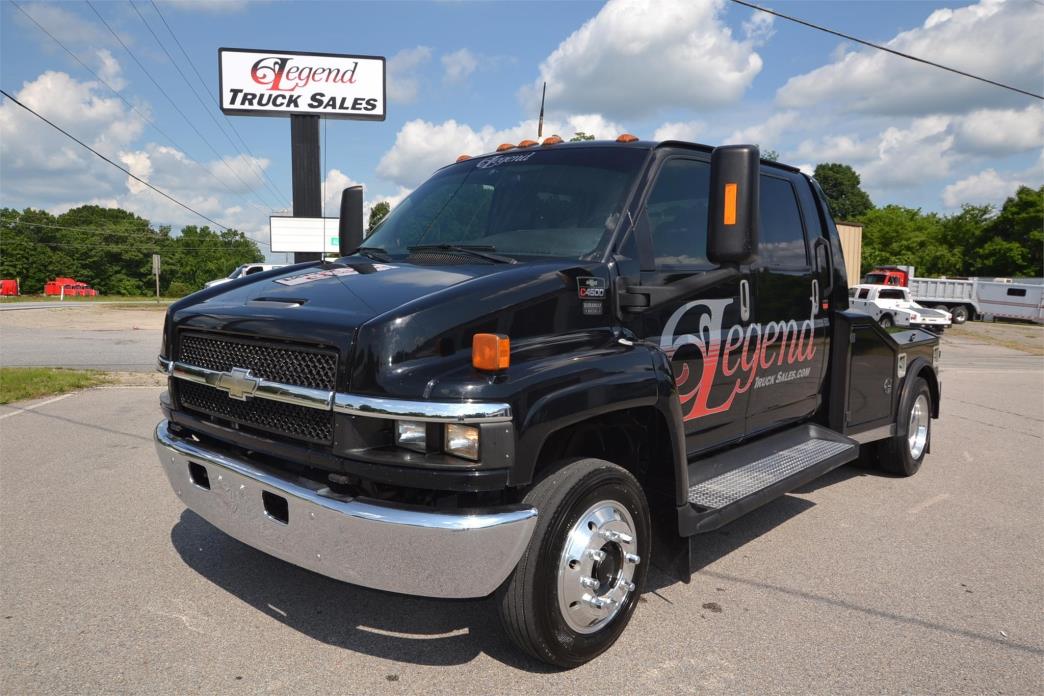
281	83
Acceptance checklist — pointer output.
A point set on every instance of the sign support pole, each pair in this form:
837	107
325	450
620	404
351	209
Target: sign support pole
307	174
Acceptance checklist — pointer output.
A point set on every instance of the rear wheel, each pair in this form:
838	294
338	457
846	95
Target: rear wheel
578	582
886	321
959	314
903	454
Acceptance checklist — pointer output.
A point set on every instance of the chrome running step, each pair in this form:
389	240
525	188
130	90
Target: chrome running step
734	482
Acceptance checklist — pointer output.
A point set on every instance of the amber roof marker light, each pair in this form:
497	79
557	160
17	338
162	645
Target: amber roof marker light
528	143
504	146
490	352
551	140
626	138
463	158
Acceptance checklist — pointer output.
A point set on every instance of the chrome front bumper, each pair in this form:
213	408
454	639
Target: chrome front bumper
456	553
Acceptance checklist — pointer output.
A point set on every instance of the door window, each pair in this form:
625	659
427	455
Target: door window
782	243
677	214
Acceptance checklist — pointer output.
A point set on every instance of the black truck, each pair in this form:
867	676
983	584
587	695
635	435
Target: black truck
549	367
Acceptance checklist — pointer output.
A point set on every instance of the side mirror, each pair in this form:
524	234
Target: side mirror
732	225
350	226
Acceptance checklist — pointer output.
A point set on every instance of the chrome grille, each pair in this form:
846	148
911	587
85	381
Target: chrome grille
290	364
271	417
303	366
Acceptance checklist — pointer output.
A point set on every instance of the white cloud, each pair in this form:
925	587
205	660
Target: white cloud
421	147
68	27
759	28
922	152
42	168
109	69
767	134
680	130
837	148
39	164
210	6
459	65
1001	132
993	39
403	83
988	186
636	57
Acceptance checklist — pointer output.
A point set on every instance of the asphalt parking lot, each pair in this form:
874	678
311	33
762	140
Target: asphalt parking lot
858	583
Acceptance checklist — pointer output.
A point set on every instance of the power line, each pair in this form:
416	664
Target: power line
206	90
115	91
173	103
100	155
195	93
886	49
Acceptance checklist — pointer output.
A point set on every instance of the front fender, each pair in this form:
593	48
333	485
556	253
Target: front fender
576	387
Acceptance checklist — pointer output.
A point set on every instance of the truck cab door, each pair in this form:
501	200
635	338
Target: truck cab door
789	295
697	313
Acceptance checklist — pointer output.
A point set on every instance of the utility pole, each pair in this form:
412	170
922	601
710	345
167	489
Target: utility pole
307	174
540	123
156	272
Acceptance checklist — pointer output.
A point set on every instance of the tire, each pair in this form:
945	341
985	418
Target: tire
886	321
903	454
959	314
533	602
941	308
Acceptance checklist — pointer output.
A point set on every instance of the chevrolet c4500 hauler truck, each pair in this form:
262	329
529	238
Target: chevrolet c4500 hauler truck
546	368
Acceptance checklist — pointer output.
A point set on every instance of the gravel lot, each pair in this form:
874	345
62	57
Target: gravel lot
121	338
858	583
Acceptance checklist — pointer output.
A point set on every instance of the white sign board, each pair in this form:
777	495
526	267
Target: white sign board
292	234
281	83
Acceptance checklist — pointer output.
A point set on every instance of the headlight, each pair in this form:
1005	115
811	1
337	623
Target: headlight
411	435
462	441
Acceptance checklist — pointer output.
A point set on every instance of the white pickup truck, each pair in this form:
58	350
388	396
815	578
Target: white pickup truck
892	306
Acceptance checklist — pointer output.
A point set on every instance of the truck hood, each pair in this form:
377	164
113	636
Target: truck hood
386	320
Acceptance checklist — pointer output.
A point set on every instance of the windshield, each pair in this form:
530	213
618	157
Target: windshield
538	203
236	273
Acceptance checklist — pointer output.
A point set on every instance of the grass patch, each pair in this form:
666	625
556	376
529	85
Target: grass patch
21	383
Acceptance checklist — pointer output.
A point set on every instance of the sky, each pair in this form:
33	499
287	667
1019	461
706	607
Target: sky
463	77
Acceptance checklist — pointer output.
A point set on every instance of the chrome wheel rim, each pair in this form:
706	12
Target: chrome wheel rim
917	431
597	565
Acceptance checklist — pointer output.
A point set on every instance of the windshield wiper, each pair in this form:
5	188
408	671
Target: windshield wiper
375	253
479	251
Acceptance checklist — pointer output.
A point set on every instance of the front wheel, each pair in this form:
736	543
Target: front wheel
578	582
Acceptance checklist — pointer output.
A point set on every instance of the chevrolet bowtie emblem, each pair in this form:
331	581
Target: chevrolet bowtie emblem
238	382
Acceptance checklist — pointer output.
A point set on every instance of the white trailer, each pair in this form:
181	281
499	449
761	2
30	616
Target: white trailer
968	298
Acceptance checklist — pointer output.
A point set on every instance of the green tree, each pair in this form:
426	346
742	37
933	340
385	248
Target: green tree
580	137
898	235
111	249
770	155
841	185
377	213
1018	226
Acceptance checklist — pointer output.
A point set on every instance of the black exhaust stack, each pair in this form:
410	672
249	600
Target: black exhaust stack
350	226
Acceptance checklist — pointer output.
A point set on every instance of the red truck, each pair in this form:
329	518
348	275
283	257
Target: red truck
71	287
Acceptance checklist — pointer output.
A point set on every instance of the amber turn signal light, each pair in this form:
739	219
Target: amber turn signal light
490	351
627	138
729	214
